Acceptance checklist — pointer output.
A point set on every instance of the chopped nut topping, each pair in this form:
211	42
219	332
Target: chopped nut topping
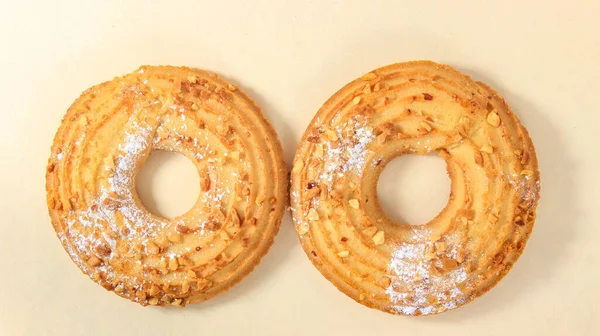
231	87
176	302
223	129
195	107
379	238
430	256
174	237
367	89
153	290
440	246
354	203
191	274
330	135
478	158
343	254
361	297
370	231
102	249
384	281
313	215
460	255
153	301
303	229
526	172
94	261
246	191
185	287
449	264
487	149
205	183
173	264
181	228
356	100
377	87
493	119
525	158
425	126
368	76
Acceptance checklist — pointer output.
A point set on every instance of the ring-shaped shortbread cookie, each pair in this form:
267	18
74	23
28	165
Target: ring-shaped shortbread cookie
102	142
414	108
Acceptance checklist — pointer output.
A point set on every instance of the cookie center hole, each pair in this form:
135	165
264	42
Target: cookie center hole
168	184
413	189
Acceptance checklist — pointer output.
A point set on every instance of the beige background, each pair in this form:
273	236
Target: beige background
290	56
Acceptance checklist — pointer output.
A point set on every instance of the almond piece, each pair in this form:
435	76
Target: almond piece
152	248
487	149
94	261
370	231
425	126
354	203
303	229
356	100
440	246
313	215
191	274
173	264
185	287
343	254
379	238
493	119
330	135
174	237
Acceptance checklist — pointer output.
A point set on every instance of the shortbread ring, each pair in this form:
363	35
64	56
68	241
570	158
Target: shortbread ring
102	142
414	108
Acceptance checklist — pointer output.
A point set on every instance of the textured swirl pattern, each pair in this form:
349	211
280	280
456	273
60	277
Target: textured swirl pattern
414	108
102	142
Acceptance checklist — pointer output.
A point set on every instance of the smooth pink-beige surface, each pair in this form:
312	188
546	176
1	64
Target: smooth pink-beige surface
290	56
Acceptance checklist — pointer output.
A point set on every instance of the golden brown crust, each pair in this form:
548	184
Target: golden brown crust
414	107
104	139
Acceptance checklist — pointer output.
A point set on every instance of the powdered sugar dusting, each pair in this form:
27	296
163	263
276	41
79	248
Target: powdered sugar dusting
349	153
413	283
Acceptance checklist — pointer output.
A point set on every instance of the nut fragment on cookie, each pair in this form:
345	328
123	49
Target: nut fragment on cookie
493	119
370	231
379	238
343	254
356	100
303	229
487	149
312	215
354	203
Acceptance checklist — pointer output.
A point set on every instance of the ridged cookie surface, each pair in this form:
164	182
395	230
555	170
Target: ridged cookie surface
414	108
102	142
